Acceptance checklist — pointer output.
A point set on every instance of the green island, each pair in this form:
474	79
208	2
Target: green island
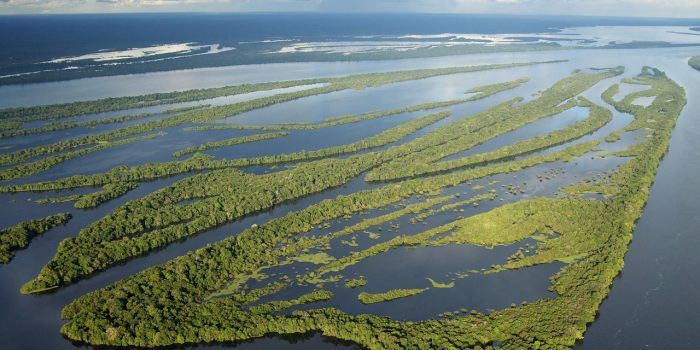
42	164
229	142
436	284
355	283
317	295
64	110
108	192
18	236
65	125
371	298
171	303
694	62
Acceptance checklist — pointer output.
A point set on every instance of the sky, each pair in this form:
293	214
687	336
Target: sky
624	8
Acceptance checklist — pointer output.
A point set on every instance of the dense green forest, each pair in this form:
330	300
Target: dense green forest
18	236
171	303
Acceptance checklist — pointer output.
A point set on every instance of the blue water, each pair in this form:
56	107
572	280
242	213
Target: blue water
28	40
42	37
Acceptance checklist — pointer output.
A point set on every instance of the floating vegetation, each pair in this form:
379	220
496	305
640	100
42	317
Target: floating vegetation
355	283
319	258
453	206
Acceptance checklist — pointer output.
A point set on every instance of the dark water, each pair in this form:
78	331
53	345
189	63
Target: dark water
652	304
29	43
39	38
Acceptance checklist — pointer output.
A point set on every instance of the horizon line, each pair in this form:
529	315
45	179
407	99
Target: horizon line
176	12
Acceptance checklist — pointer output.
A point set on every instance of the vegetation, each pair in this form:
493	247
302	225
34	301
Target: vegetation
317	258
226	194
695	62
18	236
108	192
371	298
146	172
453	206
599	116
357	82
57	126
355	283
278	229
167	305
65	110
436	284
479	93
49	162
384	138
155	220
455	138
229	142
68	125
208	295
317	295
199	162
202	115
